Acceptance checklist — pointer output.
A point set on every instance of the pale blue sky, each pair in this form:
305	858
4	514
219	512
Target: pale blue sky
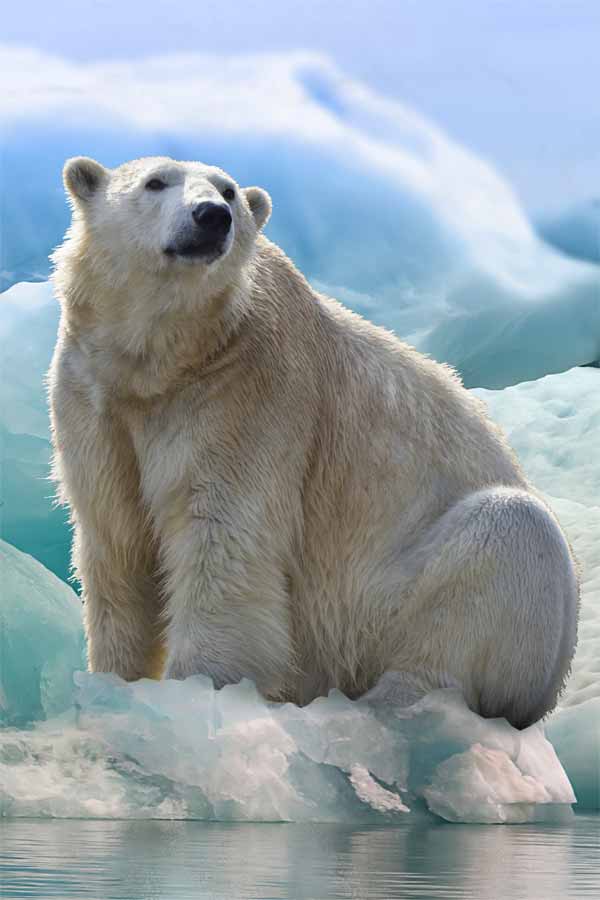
517	81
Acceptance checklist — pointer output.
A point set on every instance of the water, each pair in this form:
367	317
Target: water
160	860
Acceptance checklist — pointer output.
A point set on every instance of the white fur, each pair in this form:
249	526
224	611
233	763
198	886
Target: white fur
263	484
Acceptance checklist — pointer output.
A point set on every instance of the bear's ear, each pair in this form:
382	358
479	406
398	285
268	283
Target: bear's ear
82	177
260	205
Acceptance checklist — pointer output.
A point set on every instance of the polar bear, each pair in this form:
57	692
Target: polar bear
265	485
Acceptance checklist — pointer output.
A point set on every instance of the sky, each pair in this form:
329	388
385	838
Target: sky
515	81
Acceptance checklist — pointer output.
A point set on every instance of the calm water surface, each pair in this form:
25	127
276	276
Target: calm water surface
109	860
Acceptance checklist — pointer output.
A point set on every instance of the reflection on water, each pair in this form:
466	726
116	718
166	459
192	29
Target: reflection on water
148	860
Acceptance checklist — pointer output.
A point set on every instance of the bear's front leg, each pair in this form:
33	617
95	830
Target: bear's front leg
113	552
121	609
226	595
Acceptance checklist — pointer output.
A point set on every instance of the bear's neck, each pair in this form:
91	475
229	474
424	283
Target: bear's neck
148	336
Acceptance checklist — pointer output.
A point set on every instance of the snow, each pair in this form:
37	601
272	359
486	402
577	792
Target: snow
553	425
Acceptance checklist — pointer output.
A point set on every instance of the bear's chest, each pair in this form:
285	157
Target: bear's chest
179	444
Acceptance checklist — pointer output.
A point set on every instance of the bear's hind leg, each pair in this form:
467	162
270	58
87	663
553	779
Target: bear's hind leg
496	607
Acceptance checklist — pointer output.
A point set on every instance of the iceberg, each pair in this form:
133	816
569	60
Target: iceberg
183	750
575	231
374	203
29	316
544	417
30	520
41	640
554	427
97	746
447	257
448	260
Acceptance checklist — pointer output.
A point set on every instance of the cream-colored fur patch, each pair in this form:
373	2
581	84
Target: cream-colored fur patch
264	484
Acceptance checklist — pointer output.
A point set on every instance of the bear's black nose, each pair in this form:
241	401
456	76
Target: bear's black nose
215	217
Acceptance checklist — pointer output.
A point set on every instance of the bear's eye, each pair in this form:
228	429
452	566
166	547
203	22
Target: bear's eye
155	184
229	194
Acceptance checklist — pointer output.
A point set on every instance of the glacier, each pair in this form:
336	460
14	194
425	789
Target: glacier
91	745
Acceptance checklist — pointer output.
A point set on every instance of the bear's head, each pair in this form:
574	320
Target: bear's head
160	216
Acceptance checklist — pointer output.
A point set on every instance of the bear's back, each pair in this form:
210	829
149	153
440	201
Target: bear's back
377	399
